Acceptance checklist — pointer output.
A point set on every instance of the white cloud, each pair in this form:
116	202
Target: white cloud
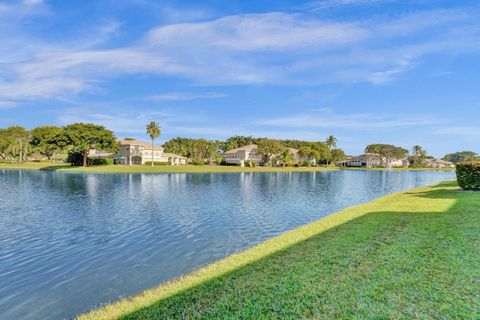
268	48
327	4
181	96
350	121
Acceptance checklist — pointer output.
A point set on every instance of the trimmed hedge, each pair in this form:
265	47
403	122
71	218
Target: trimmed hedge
157	163
468	175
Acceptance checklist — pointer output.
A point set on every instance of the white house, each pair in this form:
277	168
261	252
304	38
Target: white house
240	155
437	163
250	153
139	152
371	160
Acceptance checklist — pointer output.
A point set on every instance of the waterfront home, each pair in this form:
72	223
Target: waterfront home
138	152
249	152
240	155
371	160
437	163
299	159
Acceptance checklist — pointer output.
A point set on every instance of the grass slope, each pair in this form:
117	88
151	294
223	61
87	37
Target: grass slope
408	255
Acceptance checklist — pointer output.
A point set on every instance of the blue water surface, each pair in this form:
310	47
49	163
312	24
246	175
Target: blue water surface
71	241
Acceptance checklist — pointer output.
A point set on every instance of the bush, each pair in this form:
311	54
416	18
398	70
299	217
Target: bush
468	175
75	158
198	162
306	163
157	163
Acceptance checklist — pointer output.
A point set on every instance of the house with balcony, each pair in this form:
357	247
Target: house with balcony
136	152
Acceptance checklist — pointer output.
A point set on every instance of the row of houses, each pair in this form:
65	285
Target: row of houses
371	160
136	152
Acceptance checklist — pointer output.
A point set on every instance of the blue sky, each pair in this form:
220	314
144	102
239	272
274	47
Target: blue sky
403	72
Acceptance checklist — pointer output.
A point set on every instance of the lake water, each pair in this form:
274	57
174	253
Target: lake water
71	241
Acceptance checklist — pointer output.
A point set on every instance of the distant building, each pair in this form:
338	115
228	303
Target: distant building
136	152
437	163
249	152
371	160
240	155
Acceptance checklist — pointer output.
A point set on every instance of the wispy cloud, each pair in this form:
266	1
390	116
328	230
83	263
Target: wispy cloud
328	4
266	48
181	96
350	121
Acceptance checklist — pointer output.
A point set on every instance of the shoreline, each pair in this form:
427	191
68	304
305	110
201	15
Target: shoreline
401	215
193	169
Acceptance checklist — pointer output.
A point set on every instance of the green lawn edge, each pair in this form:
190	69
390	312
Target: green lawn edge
439	198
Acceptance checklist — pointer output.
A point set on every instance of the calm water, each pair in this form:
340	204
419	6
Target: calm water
70	241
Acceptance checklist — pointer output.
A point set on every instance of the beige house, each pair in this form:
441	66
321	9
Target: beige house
437	163
371	160
250	153
240	155
138	152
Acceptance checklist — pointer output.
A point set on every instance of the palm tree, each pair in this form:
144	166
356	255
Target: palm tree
153	130
417	150
331	143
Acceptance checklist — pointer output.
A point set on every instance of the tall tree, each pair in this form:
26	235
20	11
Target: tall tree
338	155
268	148
14	143
331	143
387	152
153	131
321	151
48	140
84	137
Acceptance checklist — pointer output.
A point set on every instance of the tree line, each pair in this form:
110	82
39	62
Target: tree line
77	139
54	142
271	150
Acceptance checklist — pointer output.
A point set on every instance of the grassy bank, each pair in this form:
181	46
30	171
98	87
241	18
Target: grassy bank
184	168
407	255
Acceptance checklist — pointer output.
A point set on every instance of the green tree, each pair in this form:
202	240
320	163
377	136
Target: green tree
461	156
331	143
286	158
417	160
268	148
48	140
153	131
83	137
387	152
321	152
237	142
338	155
14	143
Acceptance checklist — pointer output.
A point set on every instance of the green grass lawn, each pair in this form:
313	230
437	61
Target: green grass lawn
410	255
183	168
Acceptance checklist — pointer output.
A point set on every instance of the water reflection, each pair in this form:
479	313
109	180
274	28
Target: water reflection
70	241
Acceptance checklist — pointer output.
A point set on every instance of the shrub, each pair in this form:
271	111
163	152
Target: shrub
468	175
75	158
306	163
198	162
157	163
